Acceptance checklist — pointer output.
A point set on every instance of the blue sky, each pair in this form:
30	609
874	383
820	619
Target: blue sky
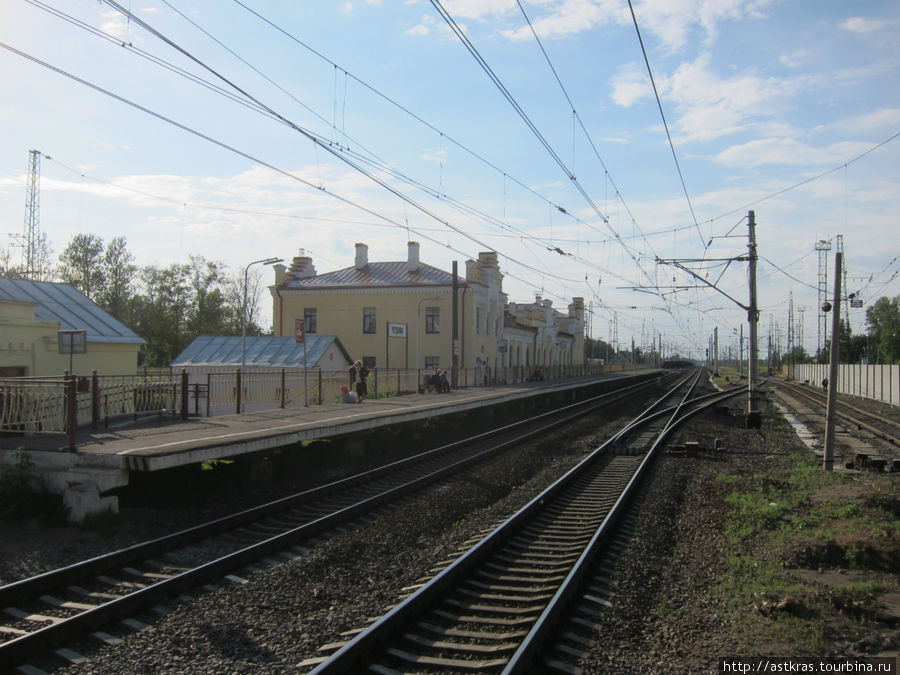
791	109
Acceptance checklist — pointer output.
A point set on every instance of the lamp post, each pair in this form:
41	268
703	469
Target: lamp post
264	261
418	311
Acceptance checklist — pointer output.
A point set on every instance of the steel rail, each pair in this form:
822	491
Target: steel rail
354	655
15	650
817	398
524	657
142	550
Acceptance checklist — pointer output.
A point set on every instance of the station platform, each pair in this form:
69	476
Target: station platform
104	458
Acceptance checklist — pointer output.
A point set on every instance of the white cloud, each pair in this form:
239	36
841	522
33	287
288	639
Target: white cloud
571	17
630	84
789	152
794	59
673	21
862	25
711	106
115	24
883	118
476	9
423	28
435	155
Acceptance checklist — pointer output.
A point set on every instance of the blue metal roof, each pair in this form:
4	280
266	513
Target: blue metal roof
267	351
69	307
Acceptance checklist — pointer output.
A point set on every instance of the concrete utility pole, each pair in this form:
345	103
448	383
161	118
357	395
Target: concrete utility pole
454	368
716	351
753	416
828	460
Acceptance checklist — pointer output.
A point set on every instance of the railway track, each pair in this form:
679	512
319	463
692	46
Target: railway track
499	607
39	614
849	409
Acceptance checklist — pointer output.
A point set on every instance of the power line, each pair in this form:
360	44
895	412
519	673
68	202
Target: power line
470	47
663	116
283	172
380	164
443	135
577	117
320	142
808	180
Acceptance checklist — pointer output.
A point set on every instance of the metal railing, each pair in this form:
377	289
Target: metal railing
60	405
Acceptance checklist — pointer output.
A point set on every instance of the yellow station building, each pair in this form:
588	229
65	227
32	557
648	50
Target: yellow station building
400	314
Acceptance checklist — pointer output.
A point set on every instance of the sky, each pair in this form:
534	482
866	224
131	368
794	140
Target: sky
240	130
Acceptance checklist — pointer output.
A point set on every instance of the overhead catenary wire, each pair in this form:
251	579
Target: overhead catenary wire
470	47
274	115
587	135
806	181
581	125
261	162
663	116
309	134
379	164
338	152
406	110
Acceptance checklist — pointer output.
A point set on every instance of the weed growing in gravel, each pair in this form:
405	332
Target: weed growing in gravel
22	496
795	515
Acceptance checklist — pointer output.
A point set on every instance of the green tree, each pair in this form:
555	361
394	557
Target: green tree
797	355
43	269
234	298
119	274
161	311
8	270
81	264
207	311
883	324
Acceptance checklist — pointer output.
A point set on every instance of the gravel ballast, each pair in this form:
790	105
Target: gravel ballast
663	619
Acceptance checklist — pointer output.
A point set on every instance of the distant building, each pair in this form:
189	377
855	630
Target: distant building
400	314
33	312
539	335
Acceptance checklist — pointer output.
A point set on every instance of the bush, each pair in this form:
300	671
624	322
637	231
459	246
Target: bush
22	498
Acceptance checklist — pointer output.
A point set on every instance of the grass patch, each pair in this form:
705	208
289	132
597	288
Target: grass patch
23	497
792	516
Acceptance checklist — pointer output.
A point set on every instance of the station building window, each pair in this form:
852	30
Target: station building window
368	319
432	319
309	319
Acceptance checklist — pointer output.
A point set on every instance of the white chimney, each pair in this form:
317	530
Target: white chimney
412	259
362	256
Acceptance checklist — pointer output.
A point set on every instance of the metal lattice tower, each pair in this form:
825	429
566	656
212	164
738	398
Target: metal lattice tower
822	246
30	250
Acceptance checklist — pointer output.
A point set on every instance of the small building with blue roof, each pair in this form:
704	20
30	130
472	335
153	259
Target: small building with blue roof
32	314
265	353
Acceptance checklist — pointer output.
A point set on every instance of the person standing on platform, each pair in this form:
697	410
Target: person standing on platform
356	380
362	389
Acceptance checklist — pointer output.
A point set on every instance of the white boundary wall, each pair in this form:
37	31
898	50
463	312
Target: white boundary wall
881	383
